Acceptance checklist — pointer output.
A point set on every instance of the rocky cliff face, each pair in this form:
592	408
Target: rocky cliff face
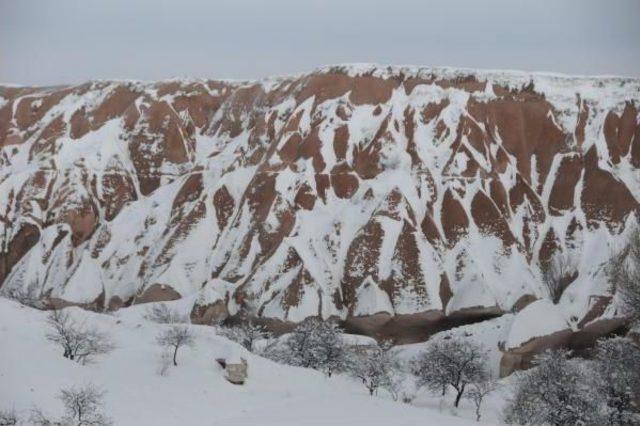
363	192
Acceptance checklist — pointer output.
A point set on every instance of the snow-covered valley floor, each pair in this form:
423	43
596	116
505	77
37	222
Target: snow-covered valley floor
33	371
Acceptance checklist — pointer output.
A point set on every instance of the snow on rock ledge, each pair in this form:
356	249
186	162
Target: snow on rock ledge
539	318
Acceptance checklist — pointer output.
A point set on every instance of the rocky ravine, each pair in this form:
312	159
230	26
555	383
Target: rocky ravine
404	200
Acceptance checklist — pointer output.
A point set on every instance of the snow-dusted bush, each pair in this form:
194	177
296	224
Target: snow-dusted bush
374	366
246	334
618	365
79	342
452	362
163	314
557	391
175	337
313	344
8	418
82	407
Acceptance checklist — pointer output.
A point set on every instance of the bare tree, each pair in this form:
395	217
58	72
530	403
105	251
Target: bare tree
556	273
478	391
174	338
80	343
402	382
163	314
82	407
624	275
245	334
8	418
372	365
451	362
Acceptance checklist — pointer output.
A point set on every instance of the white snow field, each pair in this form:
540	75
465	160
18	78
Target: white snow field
33	370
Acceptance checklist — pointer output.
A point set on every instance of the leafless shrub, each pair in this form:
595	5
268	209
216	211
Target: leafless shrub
624	275
163	314
372	365
174	338
78	342
402	383
478	392
8	418
38	418
556	272
245	334
164	362
26	295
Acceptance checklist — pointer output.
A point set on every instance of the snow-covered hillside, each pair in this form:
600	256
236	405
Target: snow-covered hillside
402	200
32	372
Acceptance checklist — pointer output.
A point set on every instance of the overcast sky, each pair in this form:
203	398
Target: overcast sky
65	41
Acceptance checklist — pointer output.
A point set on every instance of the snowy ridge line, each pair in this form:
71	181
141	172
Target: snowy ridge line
388	70
380	70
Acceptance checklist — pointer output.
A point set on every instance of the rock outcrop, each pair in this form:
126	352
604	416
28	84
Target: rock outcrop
352	191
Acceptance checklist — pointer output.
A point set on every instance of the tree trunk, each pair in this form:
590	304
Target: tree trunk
175	354
459	396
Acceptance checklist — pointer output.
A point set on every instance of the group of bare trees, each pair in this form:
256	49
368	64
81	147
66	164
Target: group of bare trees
83	343
453	362
560	390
